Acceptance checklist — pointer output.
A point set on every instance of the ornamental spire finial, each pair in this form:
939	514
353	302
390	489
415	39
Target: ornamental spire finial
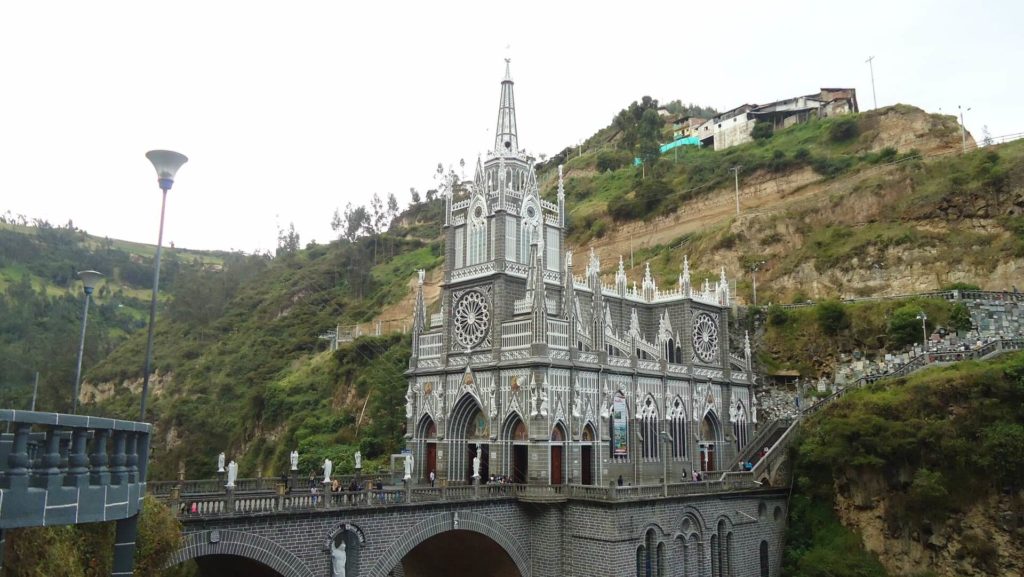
506	139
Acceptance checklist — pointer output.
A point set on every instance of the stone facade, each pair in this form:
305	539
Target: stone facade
699	535
549	377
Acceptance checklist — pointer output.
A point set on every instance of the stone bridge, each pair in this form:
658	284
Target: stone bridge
720	527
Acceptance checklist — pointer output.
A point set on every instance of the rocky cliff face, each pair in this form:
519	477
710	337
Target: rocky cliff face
987	539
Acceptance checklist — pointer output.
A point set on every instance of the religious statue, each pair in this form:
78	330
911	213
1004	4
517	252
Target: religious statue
408	467
409	397
232	474
328	467
476	464
293	458
577	406
359	460
338	559
494	403
543	401
220	463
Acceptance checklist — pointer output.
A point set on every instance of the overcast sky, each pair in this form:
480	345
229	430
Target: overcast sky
288	110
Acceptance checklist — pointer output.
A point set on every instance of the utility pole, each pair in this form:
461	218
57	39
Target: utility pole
872	68
736	174
963	129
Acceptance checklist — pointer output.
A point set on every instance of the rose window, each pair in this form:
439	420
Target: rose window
705	337
471	319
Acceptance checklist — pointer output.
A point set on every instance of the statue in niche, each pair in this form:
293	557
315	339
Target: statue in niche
338	559
409	397
577	408
543	401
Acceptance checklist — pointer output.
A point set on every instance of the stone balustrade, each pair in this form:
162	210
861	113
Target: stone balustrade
58	469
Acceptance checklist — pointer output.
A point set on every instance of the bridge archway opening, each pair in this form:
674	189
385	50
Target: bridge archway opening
230	566
459	552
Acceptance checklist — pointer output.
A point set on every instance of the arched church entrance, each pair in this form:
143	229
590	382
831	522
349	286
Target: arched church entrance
469	438
428	432
587	450
458	553
710	436
557	455
515	437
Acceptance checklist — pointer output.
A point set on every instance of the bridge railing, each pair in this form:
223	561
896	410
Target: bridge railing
58	469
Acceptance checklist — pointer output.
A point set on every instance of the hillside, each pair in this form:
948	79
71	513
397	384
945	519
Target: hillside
876	203
914	476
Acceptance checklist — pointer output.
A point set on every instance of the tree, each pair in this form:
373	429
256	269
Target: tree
832	317
648	133
336	221
960	318
904	326
414	195
355	221
393	207
287	242
762	131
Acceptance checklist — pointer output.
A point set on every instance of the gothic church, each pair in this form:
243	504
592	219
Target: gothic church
551	377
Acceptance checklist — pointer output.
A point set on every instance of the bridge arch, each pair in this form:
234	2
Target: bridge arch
443	522
241	544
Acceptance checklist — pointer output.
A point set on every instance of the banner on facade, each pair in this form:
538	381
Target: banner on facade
619	424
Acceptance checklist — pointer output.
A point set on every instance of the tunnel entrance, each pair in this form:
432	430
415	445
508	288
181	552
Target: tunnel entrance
230	566
459	553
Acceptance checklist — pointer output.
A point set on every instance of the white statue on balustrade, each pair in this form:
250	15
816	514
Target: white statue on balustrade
232	474
476	462
328	467
359	460
220	463
293	459
408	467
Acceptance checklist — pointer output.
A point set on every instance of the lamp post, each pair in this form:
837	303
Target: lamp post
924	330
753	273
89	280
736	177
166	163
963	129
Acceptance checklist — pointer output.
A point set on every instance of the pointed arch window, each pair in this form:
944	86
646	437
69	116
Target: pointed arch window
477	249
649	428
739	426
677	428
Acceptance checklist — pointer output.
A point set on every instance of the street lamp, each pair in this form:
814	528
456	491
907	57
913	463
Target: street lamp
963	129
753	272
924	331
166	163
89	280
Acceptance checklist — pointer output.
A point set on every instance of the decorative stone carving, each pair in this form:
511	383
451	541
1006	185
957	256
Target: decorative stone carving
705	337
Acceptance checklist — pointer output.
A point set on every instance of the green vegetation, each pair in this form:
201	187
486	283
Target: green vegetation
931	444
87	550
808	339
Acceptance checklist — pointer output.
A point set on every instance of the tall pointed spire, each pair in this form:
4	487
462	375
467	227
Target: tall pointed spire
506	139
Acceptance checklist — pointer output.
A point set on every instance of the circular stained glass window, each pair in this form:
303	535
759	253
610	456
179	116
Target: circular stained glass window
472	319
705	337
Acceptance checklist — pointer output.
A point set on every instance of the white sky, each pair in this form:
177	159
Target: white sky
288	110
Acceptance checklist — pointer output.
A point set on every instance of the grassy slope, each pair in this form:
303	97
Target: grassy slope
932	445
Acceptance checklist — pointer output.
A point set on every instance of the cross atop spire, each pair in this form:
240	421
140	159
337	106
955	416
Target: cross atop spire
506	139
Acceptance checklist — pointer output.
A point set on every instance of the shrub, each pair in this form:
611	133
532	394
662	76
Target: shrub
762	130
777	316
801	154
904	326
831	166
842	129
832	317
611	160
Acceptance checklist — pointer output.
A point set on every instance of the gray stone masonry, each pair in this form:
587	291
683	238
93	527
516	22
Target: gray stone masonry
573	538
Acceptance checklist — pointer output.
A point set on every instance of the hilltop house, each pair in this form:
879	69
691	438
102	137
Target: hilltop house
734	126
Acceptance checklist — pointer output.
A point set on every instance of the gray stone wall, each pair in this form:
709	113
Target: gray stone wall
575	538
